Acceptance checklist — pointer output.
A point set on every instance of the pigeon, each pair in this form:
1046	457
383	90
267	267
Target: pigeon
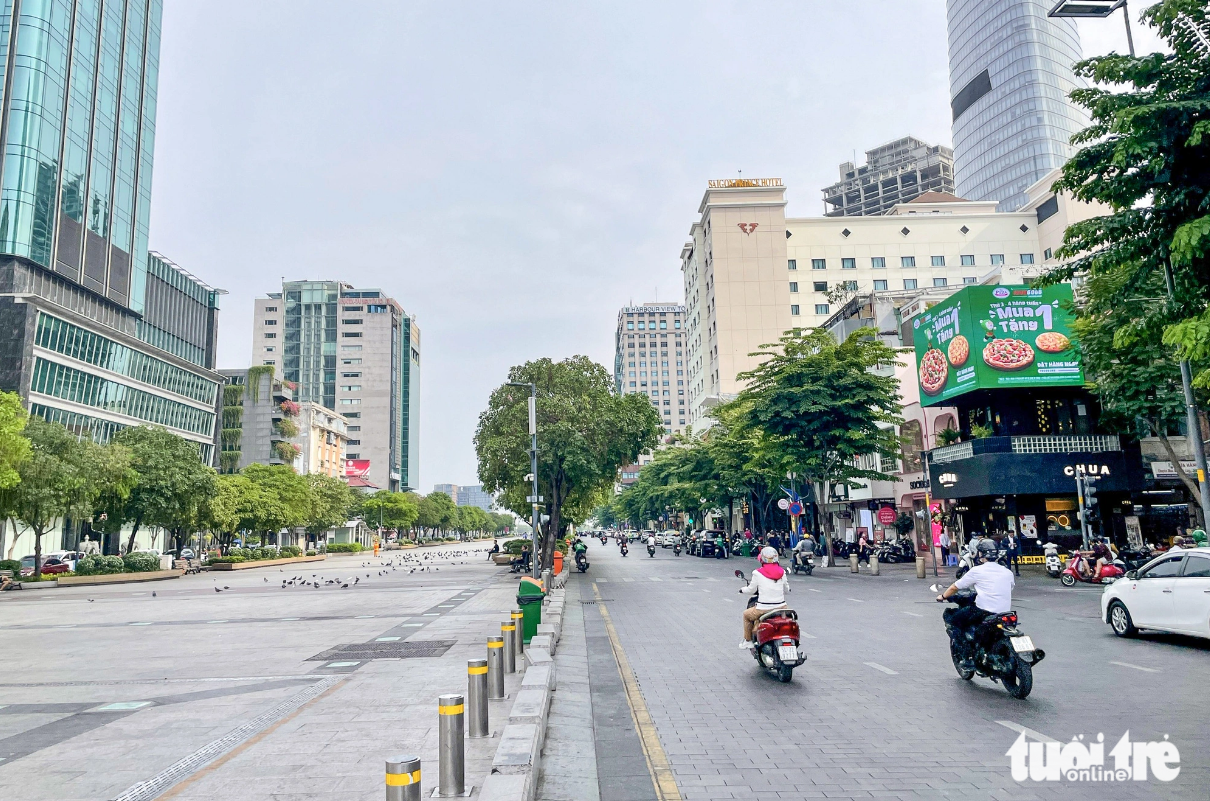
216	589
358	580
153	594
90	600
266	581
225	587
345	587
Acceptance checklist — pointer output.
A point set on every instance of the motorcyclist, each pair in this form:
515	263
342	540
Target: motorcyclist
770	585
580	549
804	547
993	583
651	543
1100	551
676	540
720	545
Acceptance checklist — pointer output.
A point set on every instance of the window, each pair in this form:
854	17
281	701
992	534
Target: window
354	428
632	383
909	283
268	361
270	322
819	264
350	375
879	285
351	388
353	415
676	324
997	259
271	335
629	325
968	261
1165	569
878	263
939	282
352	321
938	261
792	264
353	442
349	401
1048	254
350	333
970	279
270	309
1027	258
350	361
821	308
351	347
352	455
850	286
348	309
821	286
794	309
376	309
907	261
1196	566
793	286
663	323
270	348
848	264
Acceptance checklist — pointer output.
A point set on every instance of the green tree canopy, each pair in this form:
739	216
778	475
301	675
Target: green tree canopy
585	433
395	510
283	499
330	502
14	445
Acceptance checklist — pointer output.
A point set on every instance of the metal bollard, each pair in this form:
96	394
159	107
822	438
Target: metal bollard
495	667
873	565
476	698
451	760
519	621
509	632
853	563
547	576
919	567
403	778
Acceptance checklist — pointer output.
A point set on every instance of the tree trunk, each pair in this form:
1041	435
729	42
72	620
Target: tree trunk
826	527
552	531
134	531
38	553
1186	479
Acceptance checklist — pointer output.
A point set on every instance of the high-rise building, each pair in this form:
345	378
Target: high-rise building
475	496
893	173
449	489
649	358
357	352
1010	80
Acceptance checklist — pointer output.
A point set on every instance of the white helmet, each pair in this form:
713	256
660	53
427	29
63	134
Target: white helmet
768	554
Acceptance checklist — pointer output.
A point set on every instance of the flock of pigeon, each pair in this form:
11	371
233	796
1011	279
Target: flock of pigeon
418	563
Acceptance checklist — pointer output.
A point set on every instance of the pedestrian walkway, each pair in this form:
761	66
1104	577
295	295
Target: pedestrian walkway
569	763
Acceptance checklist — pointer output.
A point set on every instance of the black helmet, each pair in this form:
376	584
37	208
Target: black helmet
985	551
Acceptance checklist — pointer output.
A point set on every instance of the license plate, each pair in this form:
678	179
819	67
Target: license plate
1022	644
788	653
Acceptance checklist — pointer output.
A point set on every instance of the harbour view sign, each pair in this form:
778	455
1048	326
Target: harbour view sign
740	183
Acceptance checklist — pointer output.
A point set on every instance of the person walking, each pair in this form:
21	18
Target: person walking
863	550
944	542
1013	546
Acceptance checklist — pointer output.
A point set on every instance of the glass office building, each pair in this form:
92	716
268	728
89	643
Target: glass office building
100	333
1010	79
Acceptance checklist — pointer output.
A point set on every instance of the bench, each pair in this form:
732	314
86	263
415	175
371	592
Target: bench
502	558
8	574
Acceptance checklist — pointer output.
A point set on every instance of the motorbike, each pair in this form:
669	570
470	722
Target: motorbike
1074	575
651	551
604	541
624	549
802	561
1133	559
581	561
1054	565
1001	651
676	549
775	638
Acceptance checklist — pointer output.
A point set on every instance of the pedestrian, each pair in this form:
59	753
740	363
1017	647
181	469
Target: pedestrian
495	550
944	542
863	549
775	543
748	534
1013	546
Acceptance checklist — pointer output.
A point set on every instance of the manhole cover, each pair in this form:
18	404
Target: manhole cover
385	650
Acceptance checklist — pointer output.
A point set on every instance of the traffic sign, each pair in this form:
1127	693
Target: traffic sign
796	508
783	504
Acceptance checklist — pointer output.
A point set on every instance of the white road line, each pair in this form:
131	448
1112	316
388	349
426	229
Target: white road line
913	614
711	579
655	578
729	600
140	624
216	621
431	614
883	668
857	600
602	581
812	589
1034	735
805	636
1137	667
629	581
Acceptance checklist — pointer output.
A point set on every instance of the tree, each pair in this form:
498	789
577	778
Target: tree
390	510
62	477
170	484
821	408
282	499
14	446
234	502
585	433
329	502
435	511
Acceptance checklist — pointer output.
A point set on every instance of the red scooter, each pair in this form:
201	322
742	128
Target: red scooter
776	638
1073	574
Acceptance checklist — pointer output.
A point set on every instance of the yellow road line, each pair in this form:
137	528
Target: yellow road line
653	751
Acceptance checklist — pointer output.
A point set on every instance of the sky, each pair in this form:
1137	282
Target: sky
511	173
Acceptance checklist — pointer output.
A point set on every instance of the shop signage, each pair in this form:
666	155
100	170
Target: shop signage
919	483
357	468
1086	470
1166	470
886	515
948	479
988	337
739	183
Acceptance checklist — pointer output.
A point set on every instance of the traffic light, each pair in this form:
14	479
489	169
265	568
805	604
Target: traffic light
1092	513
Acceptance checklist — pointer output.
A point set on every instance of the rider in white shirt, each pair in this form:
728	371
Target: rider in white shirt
770	585
993	584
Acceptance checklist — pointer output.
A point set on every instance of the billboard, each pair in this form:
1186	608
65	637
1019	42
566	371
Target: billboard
357	468
996	337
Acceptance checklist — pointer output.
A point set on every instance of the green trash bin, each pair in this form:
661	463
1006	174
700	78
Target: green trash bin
529	600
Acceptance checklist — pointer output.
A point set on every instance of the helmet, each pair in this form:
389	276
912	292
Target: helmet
768	555
985	551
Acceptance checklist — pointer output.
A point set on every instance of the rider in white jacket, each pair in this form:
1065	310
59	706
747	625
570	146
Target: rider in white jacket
770	585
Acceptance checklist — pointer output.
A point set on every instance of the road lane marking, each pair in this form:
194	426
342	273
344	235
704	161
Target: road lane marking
883	668
805	636
655	578
913	614
1137	667
658	764
385	639
216	621
410	625
140	624
431	614
602	581
629	581
1035	735
729	600
291	618
856	600
359	617
812	589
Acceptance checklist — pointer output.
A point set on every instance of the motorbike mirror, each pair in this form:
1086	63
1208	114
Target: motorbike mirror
1132	574
739	574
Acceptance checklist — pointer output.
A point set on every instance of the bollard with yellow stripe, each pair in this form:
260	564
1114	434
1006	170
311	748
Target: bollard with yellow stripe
518	618
508	630
403	778
451	758
495	667
476	698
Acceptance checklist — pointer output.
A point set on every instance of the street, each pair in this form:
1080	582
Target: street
877	710
238	694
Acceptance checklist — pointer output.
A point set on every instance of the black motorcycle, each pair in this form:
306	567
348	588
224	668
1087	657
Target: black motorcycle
651	551
624	549
995	649
676	548
802	561
1134	558
581	561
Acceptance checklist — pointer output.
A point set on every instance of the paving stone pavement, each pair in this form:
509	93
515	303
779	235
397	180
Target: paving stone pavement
191	665
844	728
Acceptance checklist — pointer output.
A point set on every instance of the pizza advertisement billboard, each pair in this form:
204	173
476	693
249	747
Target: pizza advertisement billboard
995	337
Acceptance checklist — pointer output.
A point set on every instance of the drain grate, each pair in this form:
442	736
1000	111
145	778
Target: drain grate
386	650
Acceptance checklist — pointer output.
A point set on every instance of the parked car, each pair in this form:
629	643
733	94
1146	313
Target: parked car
50	566
1170	593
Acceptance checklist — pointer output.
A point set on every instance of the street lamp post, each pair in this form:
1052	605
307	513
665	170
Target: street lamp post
533	467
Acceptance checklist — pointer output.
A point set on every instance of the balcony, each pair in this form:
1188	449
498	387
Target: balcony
1076	443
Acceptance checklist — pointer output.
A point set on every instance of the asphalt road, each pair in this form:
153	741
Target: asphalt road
877	710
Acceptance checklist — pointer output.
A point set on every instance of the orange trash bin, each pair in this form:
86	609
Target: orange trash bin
558	562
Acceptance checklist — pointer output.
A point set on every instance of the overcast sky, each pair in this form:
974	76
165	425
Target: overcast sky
511	173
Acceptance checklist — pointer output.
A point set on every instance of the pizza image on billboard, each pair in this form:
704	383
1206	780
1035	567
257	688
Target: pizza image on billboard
1052	342
1008	354
959	350
934	371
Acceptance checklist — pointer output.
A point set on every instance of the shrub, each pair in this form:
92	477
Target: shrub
226	560
104	565
312	552
11	564
290	552
345	547
514	546
140	562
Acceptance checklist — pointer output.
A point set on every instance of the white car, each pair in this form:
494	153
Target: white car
1170	593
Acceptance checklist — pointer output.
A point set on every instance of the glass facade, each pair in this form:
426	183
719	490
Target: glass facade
77	124
309	350
96	429
1010	78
